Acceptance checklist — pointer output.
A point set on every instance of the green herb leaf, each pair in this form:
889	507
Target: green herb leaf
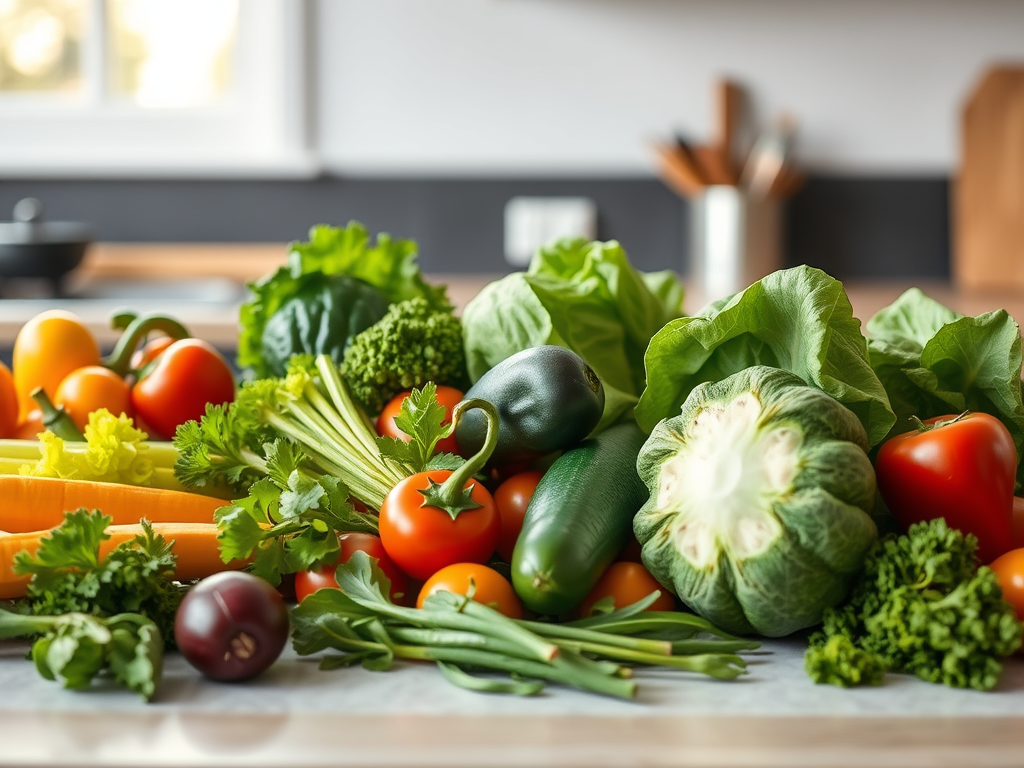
422	419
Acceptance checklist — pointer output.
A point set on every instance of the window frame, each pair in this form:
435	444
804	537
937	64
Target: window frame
260	129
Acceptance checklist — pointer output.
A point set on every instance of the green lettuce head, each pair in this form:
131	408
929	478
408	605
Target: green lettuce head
760	492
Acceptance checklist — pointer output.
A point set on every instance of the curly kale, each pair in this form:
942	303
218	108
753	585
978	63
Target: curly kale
921	606
69	576
413	344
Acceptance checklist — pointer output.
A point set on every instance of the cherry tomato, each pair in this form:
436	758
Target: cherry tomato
962	469
88	389
49	347
489	587
308	582
448	397
1009	567
30	427
423	539
150	352
188	374
8	403
626	582
512	498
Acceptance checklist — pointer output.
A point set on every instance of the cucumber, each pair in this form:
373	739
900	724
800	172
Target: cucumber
579	519
548	399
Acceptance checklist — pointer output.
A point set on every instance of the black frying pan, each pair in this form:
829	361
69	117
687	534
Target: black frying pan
33	248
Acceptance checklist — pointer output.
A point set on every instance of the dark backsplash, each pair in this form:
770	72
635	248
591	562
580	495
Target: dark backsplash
861	228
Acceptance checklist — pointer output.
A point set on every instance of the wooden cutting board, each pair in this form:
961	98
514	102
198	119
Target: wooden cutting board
988	194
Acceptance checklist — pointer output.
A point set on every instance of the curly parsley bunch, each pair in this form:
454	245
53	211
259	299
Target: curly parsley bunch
921	606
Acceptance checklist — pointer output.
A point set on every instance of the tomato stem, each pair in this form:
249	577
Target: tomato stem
452	496
119	361
922	427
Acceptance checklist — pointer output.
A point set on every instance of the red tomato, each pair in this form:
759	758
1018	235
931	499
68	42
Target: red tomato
150	352
308	582
8	403
30	427
489	587
962	470
512	498
448	397
1009	567
626	582
423	539
90	388
188	374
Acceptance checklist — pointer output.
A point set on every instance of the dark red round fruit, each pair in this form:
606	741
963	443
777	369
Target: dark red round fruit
231	626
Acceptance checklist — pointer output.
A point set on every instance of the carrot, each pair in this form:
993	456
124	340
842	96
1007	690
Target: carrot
195	545
38	503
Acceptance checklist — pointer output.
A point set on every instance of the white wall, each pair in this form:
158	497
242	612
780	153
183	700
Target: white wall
577	87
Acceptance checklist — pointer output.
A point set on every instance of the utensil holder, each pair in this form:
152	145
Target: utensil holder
736	239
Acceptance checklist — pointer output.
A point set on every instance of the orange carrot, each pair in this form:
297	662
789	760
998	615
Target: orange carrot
38	503
195	545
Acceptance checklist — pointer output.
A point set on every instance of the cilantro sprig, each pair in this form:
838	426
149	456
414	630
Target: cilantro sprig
289	520
422	419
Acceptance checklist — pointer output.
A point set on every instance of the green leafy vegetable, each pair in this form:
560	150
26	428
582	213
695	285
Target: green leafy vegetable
760	493
334	286
921	606
77	647
422	419
461	636
68	575
933	361
290	520
799	320
581	295
414	343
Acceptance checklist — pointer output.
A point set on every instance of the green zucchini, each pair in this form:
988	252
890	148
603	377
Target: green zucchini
579	519
548	399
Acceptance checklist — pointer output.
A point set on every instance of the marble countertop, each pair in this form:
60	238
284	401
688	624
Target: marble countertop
296	714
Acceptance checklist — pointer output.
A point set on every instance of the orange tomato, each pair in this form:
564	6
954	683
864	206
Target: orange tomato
49	347
490	587
8	403
1009	568
88	389
625	583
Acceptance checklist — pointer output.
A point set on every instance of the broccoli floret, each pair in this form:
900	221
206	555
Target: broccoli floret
411	345
921	606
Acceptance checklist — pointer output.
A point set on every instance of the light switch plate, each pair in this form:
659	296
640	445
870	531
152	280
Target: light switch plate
531	222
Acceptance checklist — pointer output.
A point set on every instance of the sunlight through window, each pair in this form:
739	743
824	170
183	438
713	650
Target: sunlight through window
40	45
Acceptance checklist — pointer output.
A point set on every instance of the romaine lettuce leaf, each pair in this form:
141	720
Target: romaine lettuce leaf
799	320
933	361
581	295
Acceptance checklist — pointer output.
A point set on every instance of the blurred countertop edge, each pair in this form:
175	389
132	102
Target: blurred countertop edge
234	264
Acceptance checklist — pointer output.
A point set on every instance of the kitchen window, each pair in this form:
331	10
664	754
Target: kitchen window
153	87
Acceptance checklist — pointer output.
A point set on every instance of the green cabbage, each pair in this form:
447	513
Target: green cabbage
760	493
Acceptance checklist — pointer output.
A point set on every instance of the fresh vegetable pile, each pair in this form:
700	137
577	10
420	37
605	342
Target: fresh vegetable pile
569	481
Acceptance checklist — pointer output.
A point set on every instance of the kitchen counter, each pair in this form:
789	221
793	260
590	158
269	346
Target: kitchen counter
296	715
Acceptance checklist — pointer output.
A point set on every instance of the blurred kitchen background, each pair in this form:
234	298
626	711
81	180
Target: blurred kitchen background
241	123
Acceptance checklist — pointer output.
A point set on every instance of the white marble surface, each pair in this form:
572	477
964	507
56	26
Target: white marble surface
775	686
